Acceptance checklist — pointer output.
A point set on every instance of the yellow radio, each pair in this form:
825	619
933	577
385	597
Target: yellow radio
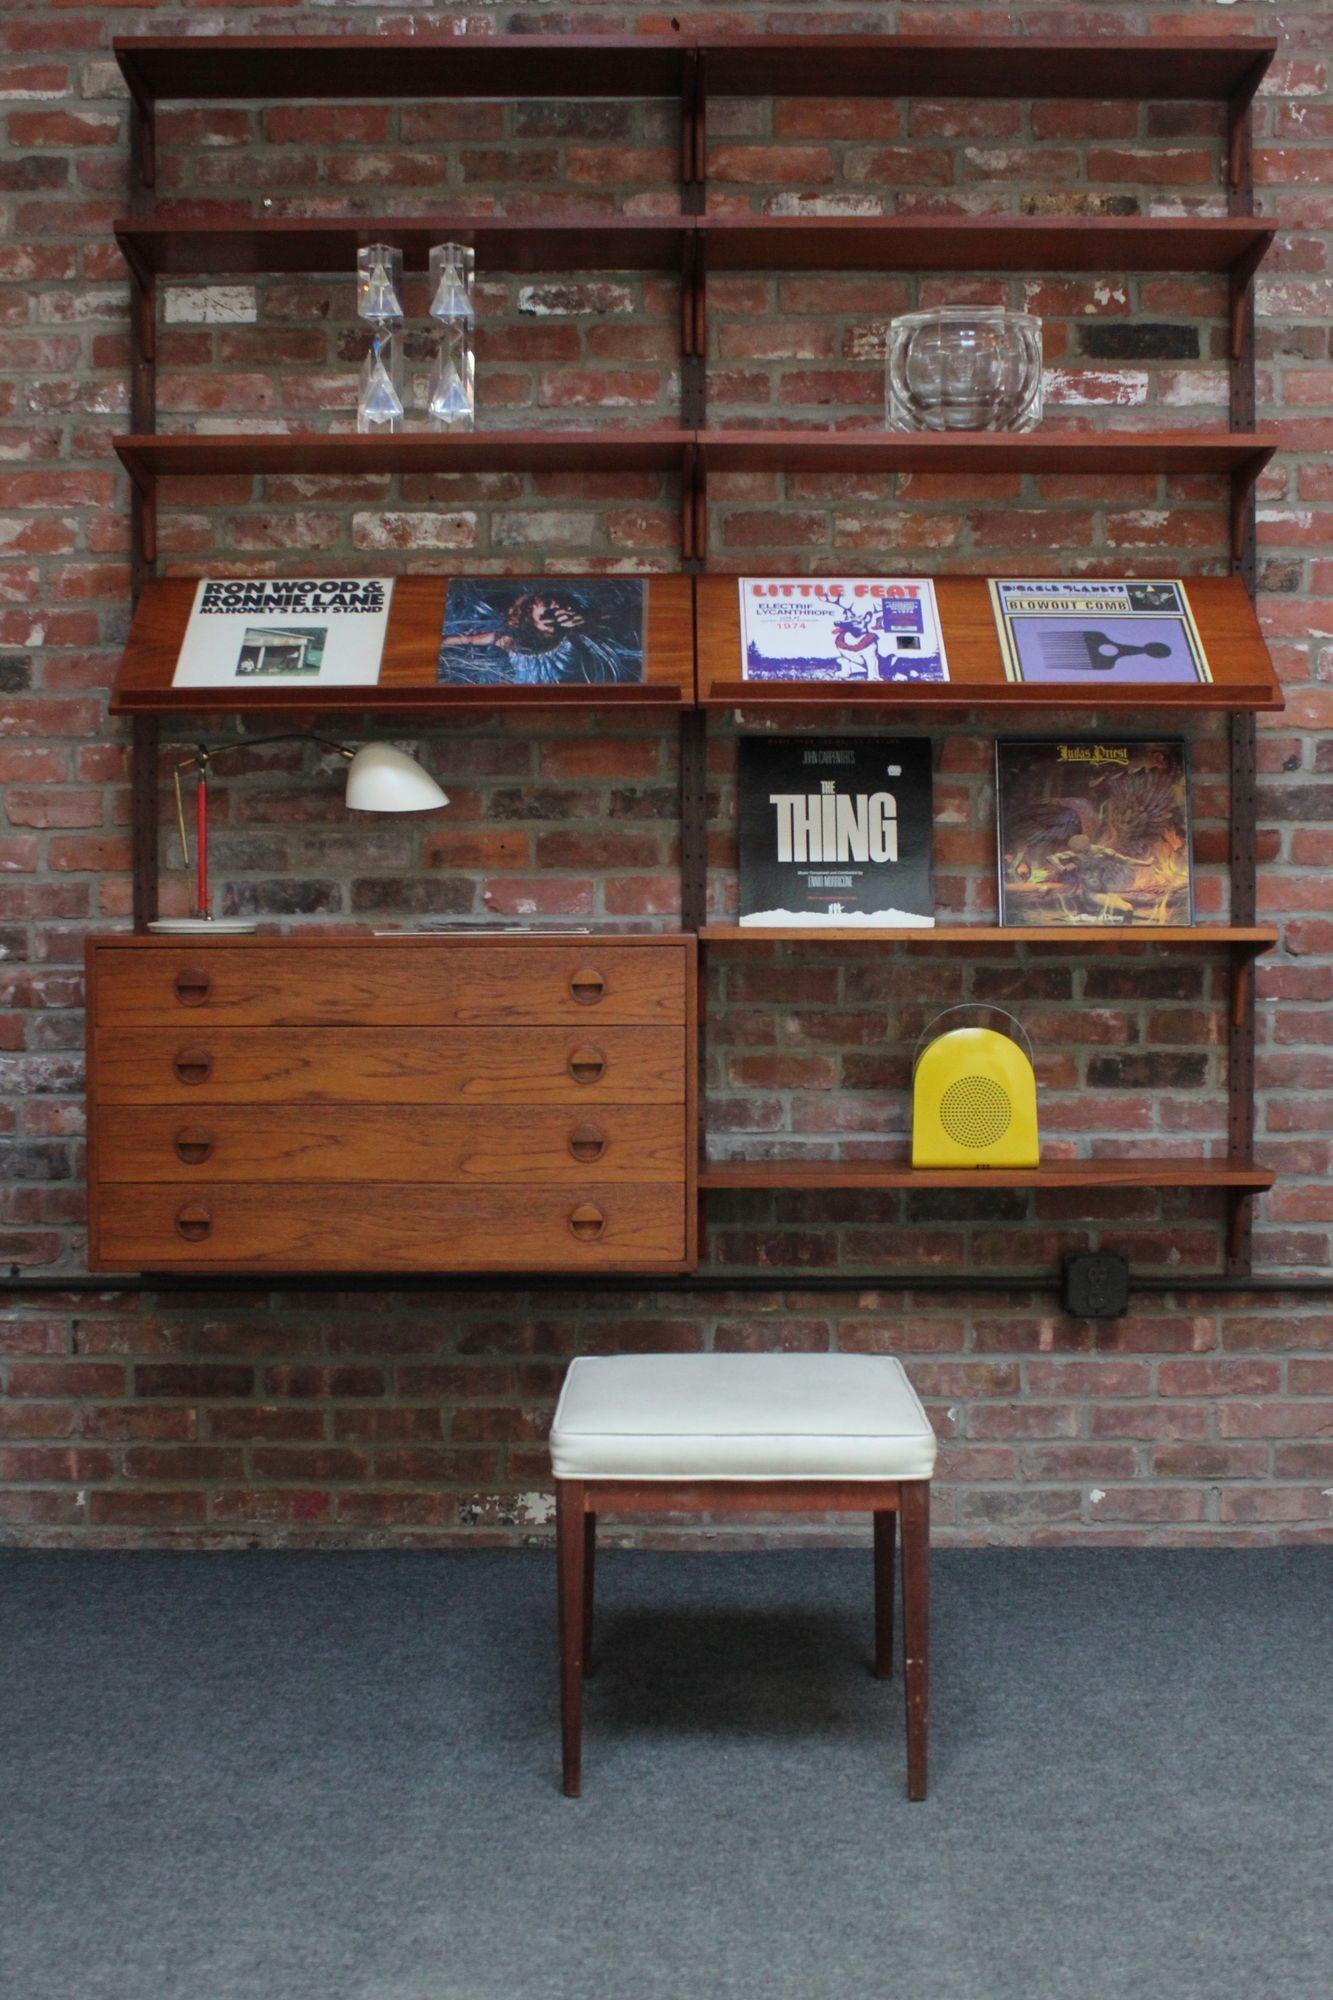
974	1097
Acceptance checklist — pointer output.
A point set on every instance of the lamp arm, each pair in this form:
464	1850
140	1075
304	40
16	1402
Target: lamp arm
202	757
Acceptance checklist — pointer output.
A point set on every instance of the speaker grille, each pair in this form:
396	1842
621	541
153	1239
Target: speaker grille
975	1111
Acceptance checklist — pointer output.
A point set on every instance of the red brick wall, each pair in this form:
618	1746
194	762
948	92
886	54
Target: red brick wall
417	1414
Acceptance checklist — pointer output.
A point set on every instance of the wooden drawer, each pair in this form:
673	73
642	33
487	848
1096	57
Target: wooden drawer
388	1228
208	1144
435	982
502	1066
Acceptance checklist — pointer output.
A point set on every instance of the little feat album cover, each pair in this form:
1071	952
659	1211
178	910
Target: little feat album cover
835	832
1094	831
504	631
1098	632
274	631
805	628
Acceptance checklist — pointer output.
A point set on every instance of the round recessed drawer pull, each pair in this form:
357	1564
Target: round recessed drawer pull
586	1143
194	1222
192	1065
587	986
193	1145
587	1222
191	986
587	1065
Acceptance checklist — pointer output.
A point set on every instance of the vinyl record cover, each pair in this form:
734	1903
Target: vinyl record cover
835	831
277	631
1090	632
542	631
1094	831
866	628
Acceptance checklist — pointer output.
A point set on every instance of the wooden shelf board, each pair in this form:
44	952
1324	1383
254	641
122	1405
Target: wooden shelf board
362	67
721	451
984	243
1013	701
1020	66
1046	450
406	685
820	1176
359	67
562	243
1242	668
1076	937
655	243
147	457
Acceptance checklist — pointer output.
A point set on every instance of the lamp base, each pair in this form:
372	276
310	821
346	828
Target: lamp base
203	926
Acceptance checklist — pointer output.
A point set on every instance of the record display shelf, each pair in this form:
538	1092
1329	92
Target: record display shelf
693	70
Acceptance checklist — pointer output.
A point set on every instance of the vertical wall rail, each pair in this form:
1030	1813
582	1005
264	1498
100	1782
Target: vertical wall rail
144	817
1238	172
693	819
694	910
143	833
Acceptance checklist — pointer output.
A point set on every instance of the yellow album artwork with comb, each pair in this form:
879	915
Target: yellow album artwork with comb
1093	830
1098	632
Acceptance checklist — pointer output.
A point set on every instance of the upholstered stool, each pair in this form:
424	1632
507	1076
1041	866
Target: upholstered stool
737	1434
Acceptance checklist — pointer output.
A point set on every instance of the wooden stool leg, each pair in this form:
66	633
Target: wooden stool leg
886	1530
589	1571
915	1503
569	1536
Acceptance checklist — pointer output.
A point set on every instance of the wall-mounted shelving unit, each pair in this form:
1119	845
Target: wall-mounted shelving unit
694	70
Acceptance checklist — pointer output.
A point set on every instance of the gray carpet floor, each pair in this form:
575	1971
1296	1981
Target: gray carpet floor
334	1777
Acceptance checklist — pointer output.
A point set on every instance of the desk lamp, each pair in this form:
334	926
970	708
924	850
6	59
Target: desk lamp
379	779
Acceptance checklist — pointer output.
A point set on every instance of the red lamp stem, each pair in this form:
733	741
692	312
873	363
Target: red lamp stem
201	842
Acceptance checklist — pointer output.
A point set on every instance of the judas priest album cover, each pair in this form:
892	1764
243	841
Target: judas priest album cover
835	832
1094	831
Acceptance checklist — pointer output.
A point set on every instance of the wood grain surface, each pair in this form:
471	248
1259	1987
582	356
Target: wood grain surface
390	1142
397	1227
407	670
390	984
500	1066
1242	669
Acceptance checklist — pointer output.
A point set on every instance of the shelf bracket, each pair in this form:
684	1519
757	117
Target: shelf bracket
143	138
699	163
1239	141
691	116
699	508
687	474
1239	1225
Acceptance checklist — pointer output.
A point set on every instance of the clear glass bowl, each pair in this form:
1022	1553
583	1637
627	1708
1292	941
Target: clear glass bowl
963	368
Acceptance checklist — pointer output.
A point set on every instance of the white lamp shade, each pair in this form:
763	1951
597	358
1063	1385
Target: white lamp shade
381	779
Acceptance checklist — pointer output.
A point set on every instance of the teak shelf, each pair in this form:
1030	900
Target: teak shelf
1242	668
262	67
703	626
407	682
1252	938
693	646
829	1176
596	242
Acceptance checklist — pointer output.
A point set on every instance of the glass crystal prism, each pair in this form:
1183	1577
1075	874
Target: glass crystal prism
451	394
379	282
379	403
452	269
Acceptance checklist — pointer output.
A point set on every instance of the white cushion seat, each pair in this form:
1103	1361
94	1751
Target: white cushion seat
740	1416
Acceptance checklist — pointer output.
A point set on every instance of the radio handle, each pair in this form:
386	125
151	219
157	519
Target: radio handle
974	1007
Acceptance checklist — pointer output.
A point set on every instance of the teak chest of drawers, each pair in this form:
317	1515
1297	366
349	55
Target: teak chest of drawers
355	1103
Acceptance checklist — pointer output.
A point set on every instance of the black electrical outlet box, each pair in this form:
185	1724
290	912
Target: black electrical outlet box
1096	1287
